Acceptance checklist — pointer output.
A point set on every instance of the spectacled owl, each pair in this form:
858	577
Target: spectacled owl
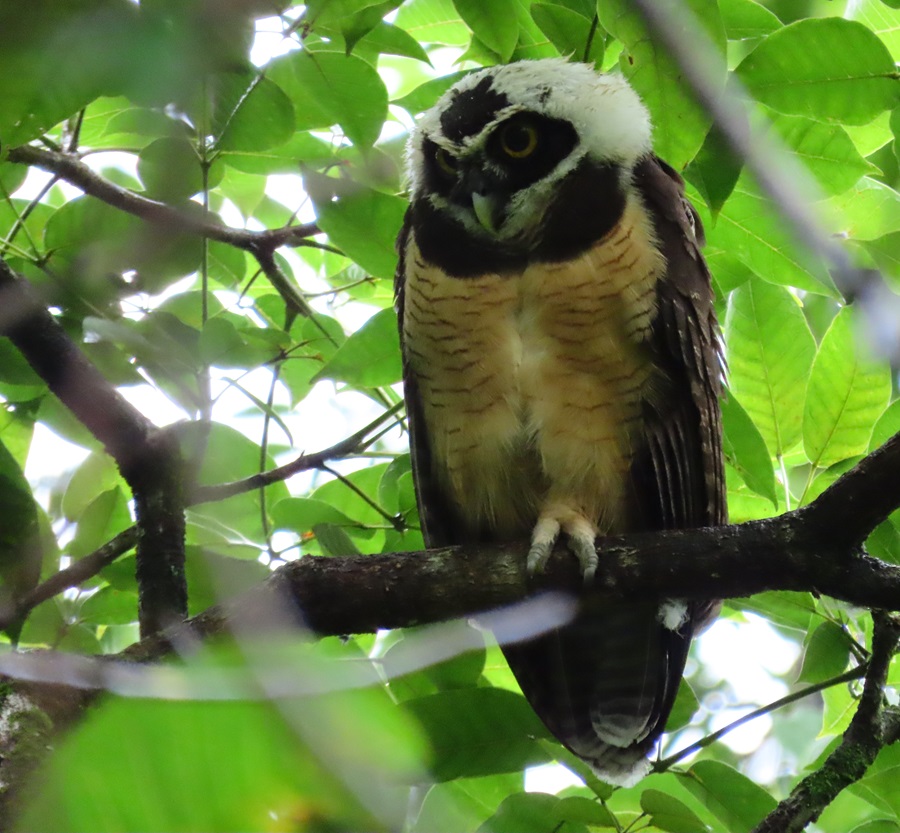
561	368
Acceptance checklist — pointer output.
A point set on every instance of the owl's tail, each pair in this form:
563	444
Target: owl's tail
604	684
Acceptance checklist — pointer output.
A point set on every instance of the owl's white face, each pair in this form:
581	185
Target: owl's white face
493	152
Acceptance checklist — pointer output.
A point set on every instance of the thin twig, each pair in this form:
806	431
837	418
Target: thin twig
853	674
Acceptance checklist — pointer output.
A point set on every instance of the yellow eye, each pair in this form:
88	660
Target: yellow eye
446	161
518	140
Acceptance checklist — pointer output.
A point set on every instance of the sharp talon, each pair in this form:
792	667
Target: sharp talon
546	531
586	553
538	556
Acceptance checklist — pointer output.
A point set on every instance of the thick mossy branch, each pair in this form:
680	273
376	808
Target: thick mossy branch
815	549
861	743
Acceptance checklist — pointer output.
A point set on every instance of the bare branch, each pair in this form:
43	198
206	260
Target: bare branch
856	752
70	168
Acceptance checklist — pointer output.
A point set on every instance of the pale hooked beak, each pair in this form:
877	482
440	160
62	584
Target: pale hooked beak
487	210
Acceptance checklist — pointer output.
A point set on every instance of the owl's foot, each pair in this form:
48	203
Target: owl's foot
580	535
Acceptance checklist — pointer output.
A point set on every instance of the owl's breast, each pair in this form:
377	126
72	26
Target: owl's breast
531	382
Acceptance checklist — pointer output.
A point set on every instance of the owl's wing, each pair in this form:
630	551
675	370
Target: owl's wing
680	474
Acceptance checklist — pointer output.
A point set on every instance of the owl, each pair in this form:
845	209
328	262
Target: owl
562	368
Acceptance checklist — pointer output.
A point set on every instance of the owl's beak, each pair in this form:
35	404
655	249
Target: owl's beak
487	209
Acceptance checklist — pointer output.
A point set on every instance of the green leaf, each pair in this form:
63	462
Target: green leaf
221	454
109	607
479	731
680	123
334	541
735	800
494	23
103	518
827	151
251	113
465	803
786	71
888	424
826	655
533	812
745	449
747	19
714	171
669	813
433	21
215	578
789	610
364	225
170	169
750	230
425	95
55	58
868	211
388	39
169	753
568	31
770	353
96	475
20	538
370	357
883	21
302	514
847	393
684	708
328	88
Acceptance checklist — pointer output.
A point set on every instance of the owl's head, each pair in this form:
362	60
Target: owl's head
501	150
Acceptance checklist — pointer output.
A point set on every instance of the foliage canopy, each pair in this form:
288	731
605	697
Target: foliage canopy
230	119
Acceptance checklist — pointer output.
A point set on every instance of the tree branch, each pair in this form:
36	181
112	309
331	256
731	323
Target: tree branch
70	168
147	457
795	551
854	755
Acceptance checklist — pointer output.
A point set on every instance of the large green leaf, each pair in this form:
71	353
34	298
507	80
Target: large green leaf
868	211
370	357
364	226
55	58
328	88
494	23
846	395
747	19
532	812
746	449
826	654
669	813
680	123
883	18
826	150
433	21
855	84
770	353
479	731
20	539
750	229
464	803
251	113
173	766
568	31
736	801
